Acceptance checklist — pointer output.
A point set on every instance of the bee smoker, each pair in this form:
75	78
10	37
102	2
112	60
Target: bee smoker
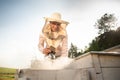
52	53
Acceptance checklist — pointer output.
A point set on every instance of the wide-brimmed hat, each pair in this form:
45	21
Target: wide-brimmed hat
56	17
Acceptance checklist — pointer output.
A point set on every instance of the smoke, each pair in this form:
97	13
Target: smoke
48	64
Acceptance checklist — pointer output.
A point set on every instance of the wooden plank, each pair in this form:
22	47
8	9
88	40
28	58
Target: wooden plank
110	61
84	75
96	63
97	66
70	74
92	73
66	75
83	62
111	73
41	74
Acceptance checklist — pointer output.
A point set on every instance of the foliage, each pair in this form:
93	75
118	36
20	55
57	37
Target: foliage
94	45
73	51
105	40
105	23
107	37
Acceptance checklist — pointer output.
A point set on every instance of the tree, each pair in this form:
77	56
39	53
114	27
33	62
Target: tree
105	23
107	37
93	46
72	51
105	41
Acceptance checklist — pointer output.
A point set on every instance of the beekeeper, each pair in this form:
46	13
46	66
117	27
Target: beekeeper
53	37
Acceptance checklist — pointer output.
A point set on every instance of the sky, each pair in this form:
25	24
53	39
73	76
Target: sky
22	20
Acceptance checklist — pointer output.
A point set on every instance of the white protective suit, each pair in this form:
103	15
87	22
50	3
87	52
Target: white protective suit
58	40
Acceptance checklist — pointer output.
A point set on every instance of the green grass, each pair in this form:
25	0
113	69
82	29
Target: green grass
7	70
7	73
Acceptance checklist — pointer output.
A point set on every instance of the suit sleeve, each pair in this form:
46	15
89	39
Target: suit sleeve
65	46
41	43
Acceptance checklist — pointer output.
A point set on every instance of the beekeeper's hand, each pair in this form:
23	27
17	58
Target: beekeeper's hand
46	51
